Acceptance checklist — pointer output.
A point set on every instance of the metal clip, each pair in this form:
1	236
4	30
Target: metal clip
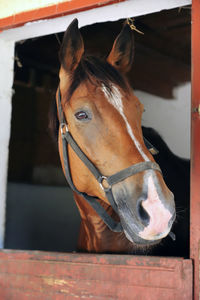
63	129
130	22
172	236
153	151
103	182
196	109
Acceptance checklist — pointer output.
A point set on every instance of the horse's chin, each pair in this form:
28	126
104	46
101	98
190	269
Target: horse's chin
135	239
132	229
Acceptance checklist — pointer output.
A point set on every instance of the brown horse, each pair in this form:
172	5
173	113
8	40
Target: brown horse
100	133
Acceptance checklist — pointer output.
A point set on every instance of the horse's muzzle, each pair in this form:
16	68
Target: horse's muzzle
146	217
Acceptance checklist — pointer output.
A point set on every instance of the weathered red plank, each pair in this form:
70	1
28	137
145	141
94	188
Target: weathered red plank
40	275
56	10
195	154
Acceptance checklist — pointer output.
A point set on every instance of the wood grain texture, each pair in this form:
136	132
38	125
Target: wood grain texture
50	276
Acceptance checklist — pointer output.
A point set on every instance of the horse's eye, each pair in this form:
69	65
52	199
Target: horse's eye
81	115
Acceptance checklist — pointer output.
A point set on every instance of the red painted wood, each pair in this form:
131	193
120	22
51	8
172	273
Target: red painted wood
195	154
56	276
60	9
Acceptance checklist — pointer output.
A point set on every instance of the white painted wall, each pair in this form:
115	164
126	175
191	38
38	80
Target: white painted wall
170	117
6	81
125	9
130	7
12	7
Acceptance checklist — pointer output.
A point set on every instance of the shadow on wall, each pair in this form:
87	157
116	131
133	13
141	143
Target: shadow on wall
41	218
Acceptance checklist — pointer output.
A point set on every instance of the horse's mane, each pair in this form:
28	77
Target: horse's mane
166	158
98	72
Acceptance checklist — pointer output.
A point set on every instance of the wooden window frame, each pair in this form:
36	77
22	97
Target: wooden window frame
195	149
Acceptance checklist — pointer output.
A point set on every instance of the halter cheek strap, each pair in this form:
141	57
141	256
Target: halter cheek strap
93	201
105	183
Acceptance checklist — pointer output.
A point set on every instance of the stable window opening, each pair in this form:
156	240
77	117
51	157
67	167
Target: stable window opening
41	213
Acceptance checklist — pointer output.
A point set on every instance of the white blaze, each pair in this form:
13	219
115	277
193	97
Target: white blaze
159	215
115	99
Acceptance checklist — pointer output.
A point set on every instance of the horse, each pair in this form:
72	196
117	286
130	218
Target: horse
123	200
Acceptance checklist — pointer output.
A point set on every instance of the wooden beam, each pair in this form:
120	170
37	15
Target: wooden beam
112	12
195	148
39	275
59	9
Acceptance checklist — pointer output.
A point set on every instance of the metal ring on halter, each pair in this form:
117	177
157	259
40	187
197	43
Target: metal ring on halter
104	179
63	128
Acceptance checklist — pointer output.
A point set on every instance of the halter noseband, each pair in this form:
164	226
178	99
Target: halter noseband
105	182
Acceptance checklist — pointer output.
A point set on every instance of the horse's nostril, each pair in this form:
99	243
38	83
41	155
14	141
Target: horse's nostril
142	214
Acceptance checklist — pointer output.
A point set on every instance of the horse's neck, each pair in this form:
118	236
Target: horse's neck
94	234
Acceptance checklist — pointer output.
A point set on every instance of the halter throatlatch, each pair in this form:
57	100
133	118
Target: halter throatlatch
105	182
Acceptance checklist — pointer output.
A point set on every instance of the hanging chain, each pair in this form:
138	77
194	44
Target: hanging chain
130	22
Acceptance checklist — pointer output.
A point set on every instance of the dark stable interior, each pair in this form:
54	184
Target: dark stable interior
41	213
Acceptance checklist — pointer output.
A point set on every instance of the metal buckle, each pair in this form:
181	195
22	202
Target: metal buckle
63	128
153	151
103	182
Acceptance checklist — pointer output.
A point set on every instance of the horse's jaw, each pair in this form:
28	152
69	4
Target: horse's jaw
135	239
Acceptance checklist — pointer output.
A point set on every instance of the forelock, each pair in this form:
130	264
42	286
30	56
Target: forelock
97	72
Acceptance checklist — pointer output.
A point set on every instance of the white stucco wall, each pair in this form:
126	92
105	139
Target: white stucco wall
12	7
125	9
170	117
6	81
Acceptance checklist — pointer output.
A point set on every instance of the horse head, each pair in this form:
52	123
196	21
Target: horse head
104	118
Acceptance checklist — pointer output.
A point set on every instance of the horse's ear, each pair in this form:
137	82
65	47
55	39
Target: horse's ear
72	47
121	55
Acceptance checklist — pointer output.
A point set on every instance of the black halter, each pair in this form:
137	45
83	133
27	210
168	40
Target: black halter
105	182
